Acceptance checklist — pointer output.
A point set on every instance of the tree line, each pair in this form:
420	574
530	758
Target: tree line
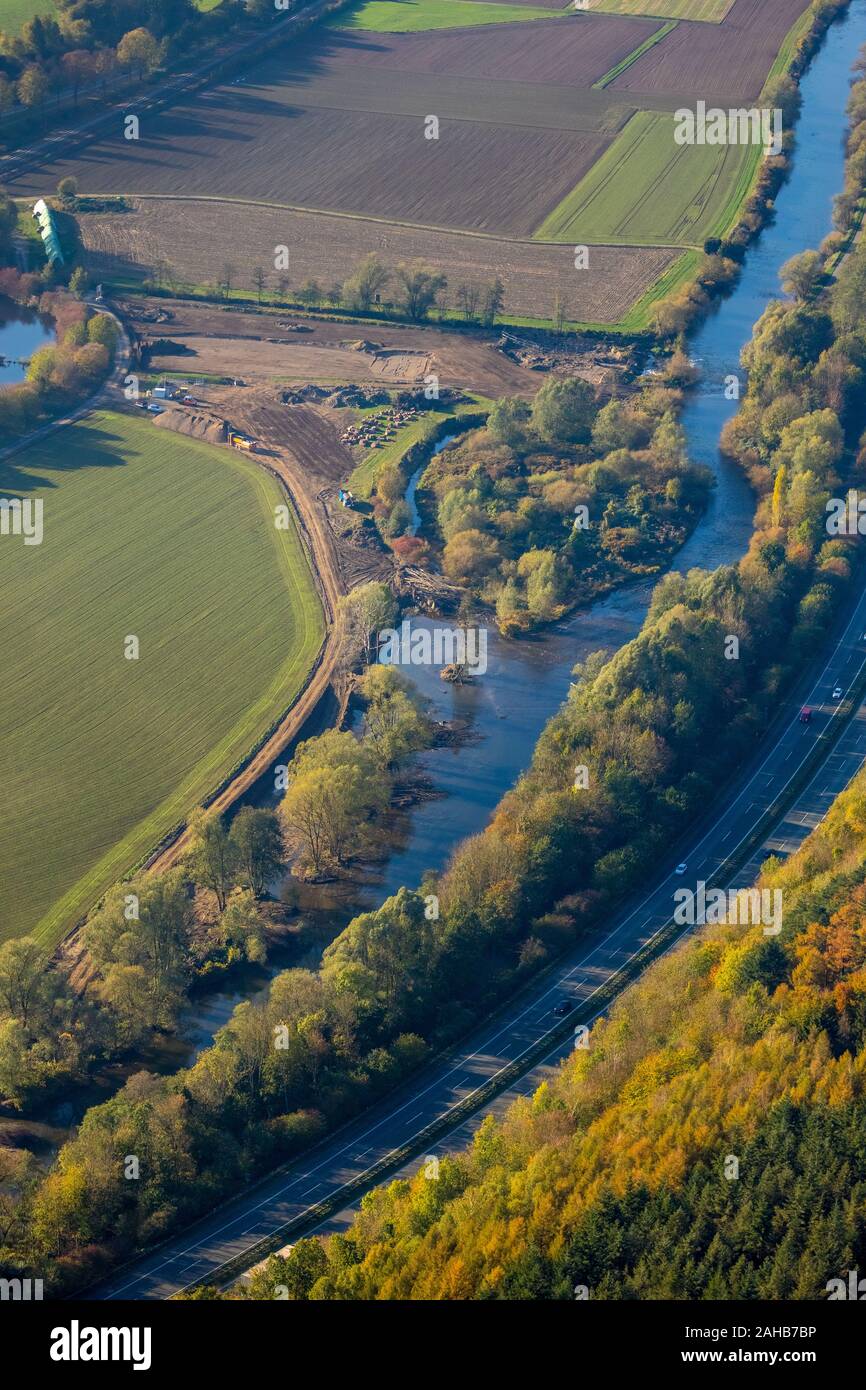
94	44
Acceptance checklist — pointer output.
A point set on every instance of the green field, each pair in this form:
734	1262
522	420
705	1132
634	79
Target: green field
172	540
14	13
412	16
647	190
712	11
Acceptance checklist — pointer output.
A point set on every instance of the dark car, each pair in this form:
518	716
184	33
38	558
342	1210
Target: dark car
562	1009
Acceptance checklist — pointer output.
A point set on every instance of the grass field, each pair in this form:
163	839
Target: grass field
14	13
146	533
712	11
647	189
413	16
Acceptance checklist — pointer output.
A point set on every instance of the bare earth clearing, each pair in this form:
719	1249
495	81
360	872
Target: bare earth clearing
230	343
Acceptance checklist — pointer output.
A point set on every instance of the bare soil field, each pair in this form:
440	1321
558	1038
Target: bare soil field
189	241
532	105
572	52
476	177
726	62
220	339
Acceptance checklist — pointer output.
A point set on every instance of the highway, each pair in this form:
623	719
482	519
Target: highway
356	1154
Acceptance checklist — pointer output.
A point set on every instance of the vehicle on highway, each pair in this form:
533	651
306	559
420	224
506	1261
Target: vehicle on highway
681	869
837	692
805	715
562	1009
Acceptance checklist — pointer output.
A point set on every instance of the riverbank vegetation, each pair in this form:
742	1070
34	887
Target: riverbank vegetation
555	502
714	1152
719	267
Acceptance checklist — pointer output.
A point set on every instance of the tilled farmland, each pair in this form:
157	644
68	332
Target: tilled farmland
572	51
192	240
724	62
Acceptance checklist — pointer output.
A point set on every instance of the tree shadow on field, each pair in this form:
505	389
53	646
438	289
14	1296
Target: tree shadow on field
39	466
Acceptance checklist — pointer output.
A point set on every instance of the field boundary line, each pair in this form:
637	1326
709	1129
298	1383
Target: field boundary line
631	58
393	222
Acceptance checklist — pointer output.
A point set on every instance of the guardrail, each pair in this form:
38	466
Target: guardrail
662	941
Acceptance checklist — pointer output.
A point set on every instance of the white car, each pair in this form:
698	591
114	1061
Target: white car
837	692
681	869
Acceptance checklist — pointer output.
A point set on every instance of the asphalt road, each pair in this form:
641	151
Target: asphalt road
347	1156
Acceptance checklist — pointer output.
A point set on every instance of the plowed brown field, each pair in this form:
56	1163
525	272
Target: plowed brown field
726	62
196	238
573	52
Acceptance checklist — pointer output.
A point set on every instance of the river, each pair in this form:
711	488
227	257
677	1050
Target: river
505	711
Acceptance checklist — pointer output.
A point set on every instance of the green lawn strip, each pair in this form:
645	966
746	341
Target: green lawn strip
637	320
789	43
646	190
414	16
427	426
638	53
151	533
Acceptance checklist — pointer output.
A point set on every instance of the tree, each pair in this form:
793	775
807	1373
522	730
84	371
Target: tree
335	786
259	282
214	855
470	557
78	66
368	609
256	836
67	192
79	282
563	411
507	423
103	329
7	95
24	980
226	280
467	297
421	288
802	274
32	87
363	288
139	51
492	301
394	721
139	942
310	293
